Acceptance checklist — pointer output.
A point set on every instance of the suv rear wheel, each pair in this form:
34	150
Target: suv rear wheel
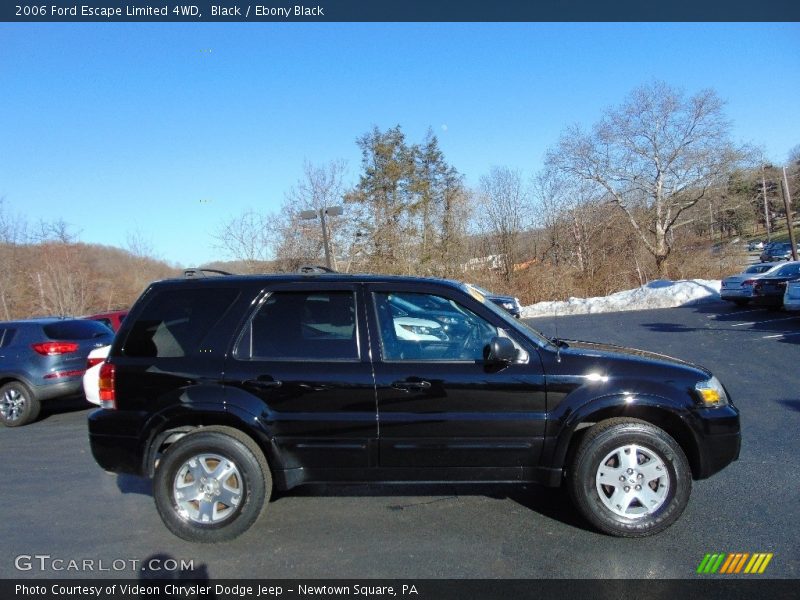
630	478
211	486
18	406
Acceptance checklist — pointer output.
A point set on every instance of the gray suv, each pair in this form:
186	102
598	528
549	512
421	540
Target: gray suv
43	359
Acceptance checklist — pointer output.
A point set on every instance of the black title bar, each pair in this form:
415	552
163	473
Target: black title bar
707	588
398	10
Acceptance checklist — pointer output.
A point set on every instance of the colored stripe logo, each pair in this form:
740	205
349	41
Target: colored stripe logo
732	563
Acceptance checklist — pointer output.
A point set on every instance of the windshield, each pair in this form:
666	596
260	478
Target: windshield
476	293
789	270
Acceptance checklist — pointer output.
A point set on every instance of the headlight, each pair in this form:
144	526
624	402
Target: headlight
423	330
711	392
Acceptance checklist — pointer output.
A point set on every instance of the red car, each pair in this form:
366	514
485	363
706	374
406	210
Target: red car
111	319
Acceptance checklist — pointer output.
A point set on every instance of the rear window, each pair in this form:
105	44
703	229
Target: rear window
175	322
76	330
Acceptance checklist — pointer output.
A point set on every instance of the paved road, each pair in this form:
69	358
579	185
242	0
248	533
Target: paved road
57	502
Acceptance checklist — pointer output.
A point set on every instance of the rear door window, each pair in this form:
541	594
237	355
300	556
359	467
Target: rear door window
174	322
318	325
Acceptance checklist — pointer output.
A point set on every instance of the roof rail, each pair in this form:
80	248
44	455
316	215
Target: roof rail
314	270
196	273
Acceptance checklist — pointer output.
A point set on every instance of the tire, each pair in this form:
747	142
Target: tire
227	477
18	406
636	500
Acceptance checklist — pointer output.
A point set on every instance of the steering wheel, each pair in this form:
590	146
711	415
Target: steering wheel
471	340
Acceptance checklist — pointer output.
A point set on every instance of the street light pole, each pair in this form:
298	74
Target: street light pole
331	211
325	242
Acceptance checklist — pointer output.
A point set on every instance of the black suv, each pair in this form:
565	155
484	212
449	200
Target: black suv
223	387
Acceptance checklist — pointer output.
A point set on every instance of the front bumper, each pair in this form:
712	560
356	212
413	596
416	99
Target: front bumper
719	439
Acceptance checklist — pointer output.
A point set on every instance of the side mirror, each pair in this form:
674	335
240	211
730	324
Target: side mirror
500	350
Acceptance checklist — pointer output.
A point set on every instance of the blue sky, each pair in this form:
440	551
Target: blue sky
166	130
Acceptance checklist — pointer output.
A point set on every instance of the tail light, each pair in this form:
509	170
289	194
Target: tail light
93	362
108	396
55	348
748	282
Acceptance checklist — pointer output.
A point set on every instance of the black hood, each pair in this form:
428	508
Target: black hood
613	359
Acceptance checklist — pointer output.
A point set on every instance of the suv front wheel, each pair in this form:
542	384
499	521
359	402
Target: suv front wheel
211	486
630	478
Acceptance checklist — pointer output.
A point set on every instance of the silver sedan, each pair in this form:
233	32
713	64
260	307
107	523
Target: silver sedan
739	288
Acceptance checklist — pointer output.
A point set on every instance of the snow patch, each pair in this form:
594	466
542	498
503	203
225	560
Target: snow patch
656	294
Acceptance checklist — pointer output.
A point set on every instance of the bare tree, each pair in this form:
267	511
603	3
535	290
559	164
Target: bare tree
54	231
246	237
505	208
654	157
300	241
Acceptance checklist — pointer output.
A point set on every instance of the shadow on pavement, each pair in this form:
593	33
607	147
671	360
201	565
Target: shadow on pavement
60	406
131	484
792	404
164	568
553	503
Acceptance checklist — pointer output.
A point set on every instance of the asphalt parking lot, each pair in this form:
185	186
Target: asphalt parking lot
57	502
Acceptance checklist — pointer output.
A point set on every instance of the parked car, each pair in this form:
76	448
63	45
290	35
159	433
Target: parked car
508	303
739	288
755	245
445	315
43	360
776	251
769	289
221	388
111	319
91	378
791	297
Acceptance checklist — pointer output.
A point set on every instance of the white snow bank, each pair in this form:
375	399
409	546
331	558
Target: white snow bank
656	294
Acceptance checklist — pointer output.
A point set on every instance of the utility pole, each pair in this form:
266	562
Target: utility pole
766	204
787	203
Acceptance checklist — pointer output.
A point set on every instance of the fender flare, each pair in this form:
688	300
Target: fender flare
653	409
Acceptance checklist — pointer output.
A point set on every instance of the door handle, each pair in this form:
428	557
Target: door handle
264	384
408	386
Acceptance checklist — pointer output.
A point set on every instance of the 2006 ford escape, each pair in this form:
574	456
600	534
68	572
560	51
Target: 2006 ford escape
223	387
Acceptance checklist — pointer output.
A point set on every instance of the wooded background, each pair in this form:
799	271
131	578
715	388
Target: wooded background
655	189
